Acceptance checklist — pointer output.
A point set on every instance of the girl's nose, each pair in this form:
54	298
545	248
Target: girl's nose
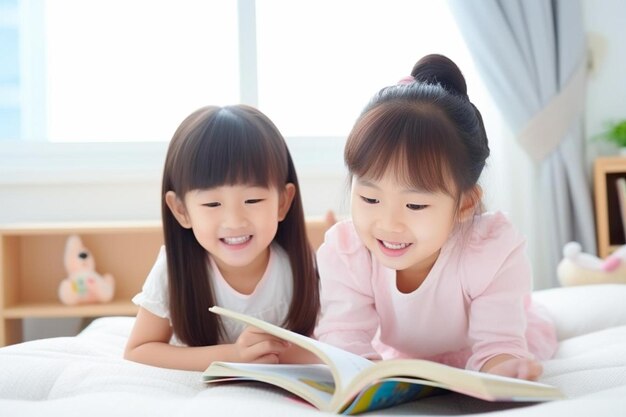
391	222
234	219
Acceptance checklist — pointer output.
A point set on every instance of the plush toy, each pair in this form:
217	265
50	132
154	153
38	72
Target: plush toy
579	268
83	284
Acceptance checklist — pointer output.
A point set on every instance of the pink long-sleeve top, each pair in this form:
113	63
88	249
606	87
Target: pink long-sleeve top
474	304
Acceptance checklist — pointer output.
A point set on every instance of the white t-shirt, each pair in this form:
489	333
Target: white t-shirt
269	301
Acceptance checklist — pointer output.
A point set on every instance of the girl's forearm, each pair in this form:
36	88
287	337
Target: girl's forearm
507	365
496	360
165	355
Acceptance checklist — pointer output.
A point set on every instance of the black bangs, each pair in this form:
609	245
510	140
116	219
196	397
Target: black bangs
239	150
408	140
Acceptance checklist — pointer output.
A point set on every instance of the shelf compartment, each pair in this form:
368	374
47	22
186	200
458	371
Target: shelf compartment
32	268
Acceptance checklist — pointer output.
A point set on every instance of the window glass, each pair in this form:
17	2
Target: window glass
320	61
119	71
116	70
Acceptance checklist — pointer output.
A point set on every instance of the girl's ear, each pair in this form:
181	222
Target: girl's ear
286	198
177	207
470	200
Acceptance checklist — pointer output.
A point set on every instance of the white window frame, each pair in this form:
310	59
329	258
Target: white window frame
35	162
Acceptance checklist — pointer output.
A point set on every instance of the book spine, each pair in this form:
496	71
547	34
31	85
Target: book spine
621	196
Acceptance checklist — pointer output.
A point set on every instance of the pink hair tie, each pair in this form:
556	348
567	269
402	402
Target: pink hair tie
406	80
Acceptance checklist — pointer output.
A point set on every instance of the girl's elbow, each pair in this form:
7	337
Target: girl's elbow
130	353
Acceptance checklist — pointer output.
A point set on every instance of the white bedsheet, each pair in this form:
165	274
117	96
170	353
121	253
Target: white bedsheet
86	376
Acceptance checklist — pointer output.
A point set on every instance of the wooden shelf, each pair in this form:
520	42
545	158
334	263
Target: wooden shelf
609	228
31	269
56	310
115	227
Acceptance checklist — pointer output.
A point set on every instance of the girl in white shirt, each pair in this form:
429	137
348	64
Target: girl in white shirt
235	236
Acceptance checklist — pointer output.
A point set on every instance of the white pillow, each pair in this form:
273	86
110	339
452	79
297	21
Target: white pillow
584	309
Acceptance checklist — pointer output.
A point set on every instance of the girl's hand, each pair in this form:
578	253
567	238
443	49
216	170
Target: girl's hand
506	365
255	346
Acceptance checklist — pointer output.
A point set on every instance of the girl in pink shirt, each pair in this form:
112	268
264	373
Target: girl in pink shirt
421	271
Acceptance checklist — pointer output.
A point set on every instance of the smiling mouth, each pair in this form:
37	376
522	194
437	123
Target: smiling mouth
394	245
236	240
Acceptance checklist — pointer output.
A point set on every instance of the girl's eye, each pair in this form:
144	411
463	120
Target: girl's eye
214	204
254	201
416	207
369	200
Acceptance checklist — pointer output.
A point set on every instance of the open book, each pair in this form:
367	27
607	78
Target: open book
349	384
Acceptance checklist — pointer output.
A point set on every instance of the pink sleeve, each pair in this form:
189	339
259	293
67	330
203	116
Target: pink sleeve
499	288
348	318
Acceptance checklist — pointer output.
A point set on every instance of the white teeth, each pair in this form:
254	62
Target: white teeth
394	246
238	240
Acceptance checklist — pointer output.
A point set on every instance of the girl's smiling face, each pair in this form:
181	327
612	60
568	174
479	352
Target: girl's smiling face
404	228
234	223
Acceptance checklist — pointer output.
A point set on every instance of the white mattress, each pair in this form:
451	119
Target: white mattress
86	376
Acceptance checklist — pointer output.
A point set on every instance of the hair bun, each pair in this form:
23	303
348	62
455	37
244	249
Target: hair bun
438	69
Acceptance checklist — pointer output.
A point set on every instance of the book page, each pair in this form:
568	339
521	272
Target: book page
344	365
476	384
388	393
314	383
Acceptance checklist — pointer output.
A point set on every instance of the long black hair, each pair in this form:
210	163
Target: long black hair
217	146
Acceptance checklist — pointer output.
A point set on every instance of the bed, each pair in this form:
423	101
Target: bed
85	375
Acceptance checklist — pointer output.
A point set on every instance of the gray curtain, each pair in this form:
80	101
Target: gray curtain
532	56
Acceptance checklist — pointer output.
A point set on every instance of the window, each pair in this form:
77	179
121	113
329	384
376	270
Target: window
128	71
10	115
85	83
320	61
119	71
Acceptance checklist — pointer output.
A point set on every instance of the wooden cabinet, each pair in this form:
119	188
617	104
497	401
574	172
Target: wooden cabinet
609	226
31	267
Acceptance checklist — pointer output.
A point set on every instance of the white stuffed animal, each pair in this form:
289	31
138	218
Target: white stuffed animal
83	284
579	268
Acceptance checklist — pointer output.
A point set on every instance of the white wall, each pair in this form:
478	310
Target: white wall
100	181
605	22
